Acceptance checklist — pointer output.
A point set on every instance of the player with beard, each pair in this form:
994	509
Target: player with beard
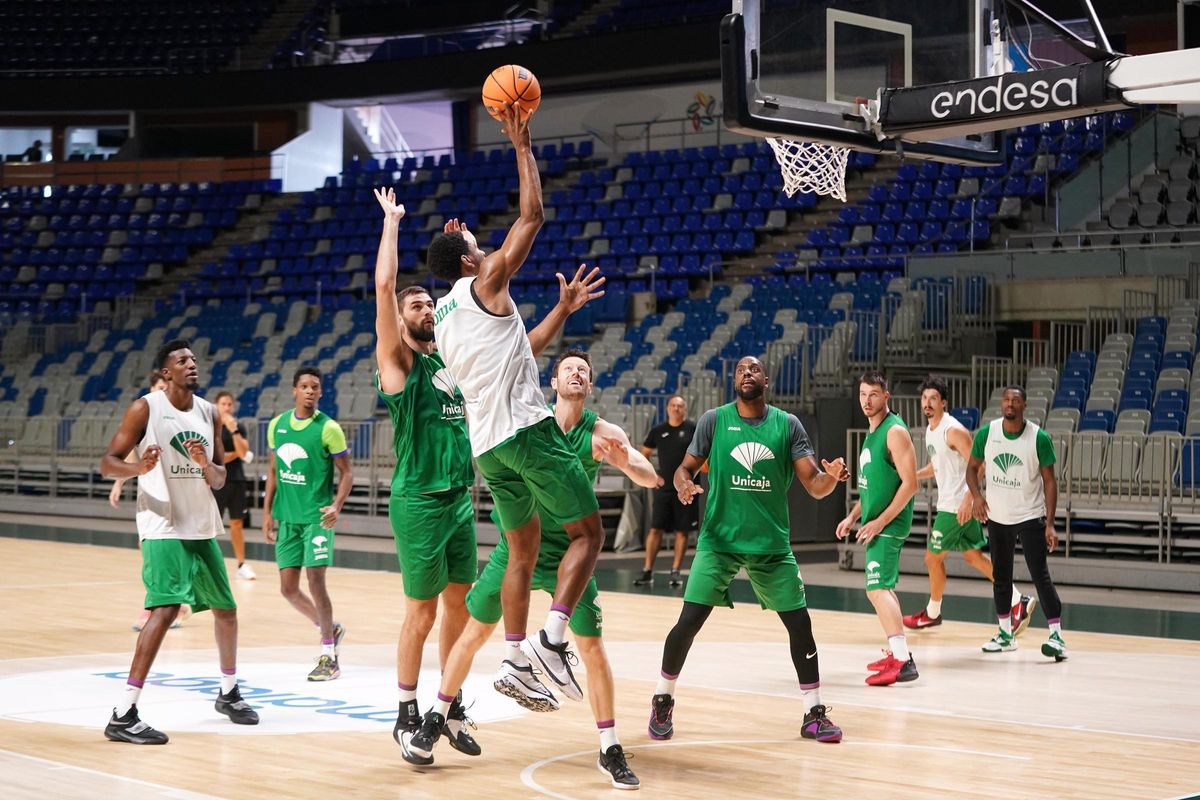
753	451
180	461
433	521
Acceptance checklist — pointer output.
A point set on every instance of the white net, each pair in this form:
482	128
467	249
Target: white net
811	167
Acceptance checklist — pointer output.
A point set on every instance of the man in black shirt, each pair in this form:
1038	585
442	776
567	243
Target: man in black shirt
671	440
232	496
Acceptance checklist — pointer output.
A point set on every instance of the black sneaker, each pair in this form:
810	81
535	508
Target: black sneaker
908	672
613	764
676	579
417	748
408	718
238	710
131	729
662	710
455	729
647	579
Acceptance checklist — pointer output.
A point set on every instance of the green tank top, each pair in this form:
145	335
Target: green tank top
429	424
554	537
878	479
749	471
303	469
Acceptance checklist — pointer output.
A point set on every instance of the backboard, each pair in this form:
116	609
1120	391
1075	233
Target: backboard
795	68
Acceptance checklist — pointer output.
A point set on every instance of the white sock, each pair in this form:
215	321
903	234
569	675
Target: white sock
228	682
514	653
408	695
934	609
666	685
129	697
1016	595
1005	623
608	737
899	647
1056	627
556	624
811	697
327	648
442	706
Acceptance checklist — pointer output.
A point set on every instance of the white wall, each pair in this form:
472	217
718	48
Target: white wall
17	140
313	155
425	126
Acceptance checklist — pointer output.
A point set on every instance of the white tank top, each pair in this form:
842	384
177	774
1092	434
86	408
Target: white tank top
1013	475
949	468
173	499
490	359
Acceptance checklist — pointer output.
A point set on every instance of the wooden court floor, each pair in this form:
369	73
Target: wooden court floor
1121	719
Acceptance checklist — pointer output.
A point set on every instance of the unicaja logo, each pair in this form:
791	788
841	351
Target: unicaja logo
289	453
749	454
178	439
1006	460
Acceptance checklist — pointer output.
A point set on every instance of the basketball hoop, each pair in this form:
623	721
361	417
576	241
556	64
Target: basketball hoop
811	167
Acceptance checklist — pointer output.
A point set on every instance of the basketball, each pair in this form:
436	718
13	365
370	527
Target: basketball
511	84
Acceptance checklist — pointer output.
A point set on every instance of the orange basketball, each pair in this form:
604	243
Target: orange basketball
511	84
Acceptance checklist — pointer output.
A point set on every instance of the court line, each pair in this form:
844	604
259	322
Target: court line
528	779
169	791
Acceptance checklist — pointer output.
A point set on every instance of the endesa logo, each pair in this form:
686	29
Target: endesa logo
1009	94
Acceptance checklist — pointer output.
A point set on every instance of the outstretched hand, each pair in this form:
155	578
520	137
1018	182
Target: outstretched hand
454	226
387	200
515	124
581	290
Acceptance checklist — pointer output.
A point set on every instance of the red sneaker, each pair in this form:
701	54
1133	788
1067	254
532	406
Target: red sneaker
921	620
895	672
1022	614
875	666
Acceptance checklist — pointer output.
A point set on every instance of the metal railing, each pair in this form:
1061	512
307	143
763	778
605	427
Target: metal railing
987	373
145	170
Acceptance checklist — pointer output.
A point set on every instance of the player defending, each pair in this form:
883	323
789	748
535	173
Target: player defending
1022	494
519	449
180	461
954	528
300	510
753	450
430	508
887	483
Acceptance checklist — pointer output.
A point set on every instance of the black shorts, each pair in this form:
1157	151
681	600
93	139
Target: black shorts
671	515
232	497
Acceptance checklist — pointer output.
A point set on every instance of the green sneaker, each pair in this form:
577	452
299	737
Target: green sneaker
1055	647
1002	642
326	669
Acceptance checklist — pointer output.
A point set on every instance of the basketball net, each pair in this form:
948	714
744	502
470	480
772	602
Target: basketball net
811	167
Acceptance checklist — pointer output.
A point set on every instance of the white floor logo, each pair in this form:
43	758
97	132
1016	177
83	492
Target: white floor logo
178	698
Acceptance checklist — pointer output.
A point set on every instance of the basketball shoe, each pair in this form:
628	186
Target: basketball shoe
921	620
612	762
894	671
818	726
417	748
129	728
327	669
455	729
1002	642
1022	614
645	579
1055	647
676	579
662	712
408	722
556	661
522	685
238	710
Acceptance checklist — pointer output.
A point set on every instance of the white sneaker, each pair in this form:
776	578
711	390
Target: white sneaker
555	660
521	684
246	572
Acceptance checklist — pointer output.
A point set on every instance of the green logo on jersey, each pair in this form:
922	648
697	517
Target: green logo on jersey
929	449
441	313
1006	460
181	437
